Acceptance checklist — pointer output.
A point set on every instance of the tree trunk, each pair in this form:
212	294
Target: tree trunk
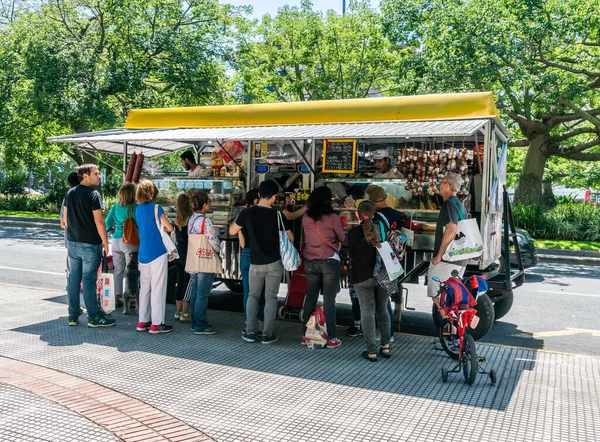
548	199
529	189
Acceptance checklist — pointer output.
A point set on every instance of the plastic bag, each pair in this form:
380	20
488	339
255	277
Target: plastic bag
316	330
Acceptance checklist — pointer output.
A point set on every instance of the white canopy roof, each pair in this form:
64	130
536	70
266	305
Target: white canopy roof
156	142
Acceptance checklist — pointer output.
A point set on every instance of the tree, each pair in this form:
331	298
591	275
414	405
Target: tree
302	55
83	65
539	57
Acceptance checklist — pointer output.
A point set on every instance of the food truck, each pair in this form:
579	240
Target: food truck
308	144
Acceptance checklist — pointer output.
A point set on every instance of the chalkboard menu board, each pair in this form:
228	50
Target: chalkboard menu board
339	156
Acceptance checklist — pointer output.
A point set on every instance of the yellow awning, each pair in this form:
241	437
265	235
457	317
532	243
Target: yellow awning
411	108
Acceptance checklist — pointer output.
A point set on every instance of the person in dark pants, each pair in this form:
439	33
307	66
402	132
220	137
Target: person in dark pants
363	241
323	233
252	198
266	269
183	212
86	236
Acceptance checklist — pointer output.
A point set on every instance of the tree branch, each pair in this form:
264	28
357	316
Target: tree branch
586	115
562	67
518	143
581	156
574	133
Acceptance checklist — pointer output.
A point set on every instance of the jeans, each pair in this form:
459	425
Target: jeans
120	252
373	304
322	275
265	277
356	309
245	270
201	286
85	260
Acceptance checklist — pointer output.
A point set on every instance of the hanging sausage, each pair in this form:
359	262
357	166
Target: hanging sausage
130	167
138	168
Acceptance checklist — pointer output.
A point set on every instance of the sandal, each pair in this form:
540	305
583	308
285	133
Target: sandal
385	352
365	354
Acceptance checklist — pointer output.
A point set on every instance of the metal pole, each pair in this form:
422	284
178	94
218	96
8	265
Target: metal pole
125	160
313	159
343	7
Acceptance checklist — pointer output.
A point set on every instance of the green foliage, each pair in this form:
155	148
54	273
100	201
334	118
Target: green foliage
28	203
302	55
539	57
14	182
567	221
568	245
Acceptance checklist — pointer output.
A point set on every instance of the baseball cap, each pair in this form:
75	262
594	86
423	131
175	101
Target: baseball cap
380	154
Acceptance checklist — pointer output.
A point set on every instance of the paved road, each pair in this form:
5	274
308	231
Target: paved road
555	310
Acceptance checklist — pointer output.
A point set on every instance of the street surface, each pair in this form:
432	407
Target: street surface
556	309
82	384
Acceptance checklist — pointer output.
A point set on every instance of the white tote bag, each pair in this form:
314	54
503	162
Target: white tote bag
467	243
390	261
172	253
201	258
107	288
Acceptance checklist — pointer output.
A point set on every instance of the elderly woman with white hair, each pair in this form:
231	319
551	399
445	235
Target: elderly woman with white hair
451	212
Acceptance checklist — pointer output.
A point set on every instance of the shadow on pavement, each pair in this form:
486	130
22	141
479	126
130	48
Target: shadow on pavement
413	370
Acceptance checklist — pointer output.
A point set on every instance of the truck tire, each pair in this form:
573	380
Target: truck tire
503	306
234	285
485	311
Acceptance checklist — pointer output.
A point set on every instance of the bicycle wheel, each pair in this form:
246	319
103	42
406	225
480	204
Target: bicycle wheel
469	359
449	344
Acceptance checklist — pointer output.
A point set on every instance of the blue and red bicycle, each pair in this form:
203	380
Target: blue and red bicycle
457	299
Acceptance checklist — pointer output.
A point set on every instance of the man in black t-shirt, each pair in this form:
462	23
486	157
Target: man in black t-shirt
451	212
86	238
263	224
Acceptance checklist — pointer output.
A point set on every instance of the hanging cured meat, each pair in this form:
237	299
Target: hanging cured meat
130	167
138	168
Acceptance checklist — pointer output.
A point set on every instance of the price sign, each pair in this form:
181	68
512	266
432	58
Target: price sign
339	156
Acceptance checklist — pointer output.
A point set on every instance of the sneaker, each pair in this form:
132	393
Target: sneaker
185	317
354	332
269	339
177	316
206	331
143	326
248	337
73	321
392	338
304	340
333	343
162	328
101	321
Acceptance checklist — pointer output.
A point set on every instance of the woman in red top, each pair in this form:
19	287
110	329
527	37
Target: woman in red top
323	234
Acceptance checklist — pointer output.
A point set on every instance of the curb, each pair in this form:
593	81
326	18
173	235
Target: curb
23	221
569	259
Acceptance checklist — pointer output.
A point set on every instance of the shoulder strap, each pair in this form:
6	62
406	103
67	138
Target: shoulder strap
280	224
385	220
202	226
324	240
382	230
461	216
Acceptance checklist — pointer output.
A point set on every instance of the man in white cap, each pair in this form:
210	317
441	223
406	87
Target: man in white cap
383	164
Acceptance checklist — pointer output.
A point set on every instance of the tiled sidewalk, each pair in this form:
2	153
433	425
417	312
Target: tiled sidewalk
234	391
125	417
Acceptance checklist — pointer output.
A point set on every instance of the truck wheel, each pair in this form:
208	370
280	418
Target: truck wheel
437	318
503	306
234	285
485	311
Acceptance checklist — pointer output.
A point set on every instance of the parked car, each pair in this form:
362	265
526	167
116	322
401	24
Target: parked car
527	248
